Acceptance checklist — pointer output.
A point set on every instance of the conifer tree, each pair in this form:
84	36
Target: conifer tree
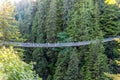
63	11
78	27
88	20
73	66
13	68
109	24
39	36
110	20
114	76
51	27
25	13
96	62
8	29
68	5
71	21
51	30
62	64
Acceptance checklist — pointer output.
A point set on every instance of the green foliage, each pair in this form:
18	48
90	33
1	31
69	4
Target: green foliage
12	68
80	18
8	29
114	76
109	24
41	65
25	19
84	25
39	35
62	64
110	21
63	37
51	27
96	63
64	21
73	67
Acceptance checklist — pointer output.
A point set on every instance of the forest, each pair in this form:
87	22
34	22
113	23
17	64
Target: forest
60	21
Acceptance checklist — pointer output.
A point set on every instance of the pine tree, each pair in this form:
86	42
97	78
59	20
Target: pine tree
63	11
109	24
96	62
68	5
110	20
51	27
78	27
12	67
41	65
71	21
73	66
25	13
62	64
114	76
51	30
80	20
8	29
39	36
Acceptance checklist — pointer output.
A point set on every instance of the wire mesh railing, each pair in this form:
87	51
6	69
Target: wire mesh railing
69	44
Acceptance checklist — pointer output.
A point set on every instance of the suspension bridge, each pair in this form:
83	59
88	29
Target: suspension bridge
69	44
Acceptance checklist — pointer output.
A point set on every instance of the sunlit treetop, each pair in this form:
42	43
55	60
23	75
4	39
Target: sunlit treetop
111	1
117	39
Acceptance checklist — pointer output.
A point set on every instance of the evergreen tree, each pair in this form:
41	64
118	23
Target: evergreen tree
78	27
114	76
90	23
73	67
13	68
51	27
109	24
70	21
62	64
67	6
39	36
63	11
8	29
41	65
110	20
96	62
25	13
51	30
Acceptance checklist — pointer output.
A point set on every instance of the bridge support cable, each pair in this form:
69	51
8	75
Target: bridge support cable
69	44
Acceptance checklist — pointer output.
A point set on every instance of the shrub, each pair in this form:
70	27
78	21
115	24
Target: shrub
13	68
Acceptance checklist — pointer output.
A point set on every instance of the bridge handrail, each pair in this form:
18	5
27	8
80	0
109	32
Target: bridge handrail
69	44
